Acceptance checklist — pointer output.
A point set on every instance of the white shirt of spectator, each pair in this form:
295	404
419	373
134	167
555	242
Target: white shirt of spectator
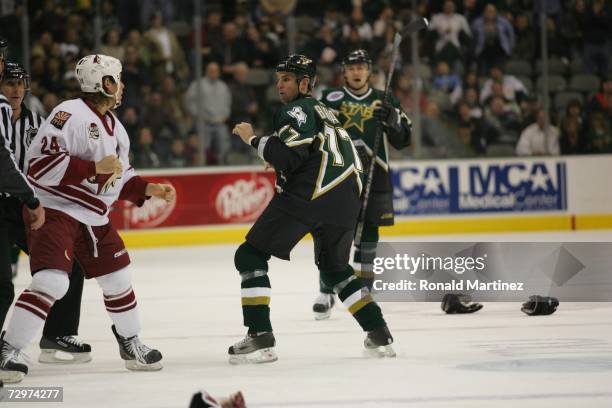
448	28
534	141
511	85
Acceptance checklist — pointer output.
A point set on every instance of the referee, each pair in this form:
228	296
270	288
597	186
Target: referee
63	320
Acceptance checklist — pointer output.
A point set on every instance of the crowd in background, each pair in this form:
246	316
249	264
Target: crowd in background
477	82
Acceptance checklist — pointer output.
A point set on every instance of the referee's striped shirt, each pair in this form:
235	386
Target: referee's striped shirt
24	130
16	137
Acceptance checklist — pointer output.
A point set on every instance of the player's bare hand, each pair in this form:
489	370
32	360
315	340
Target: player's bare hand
164	191
37	217
109	165
244	131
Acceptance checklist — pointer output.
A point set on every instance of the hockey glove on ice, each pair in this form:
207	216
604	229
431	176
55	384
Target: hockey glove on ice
540	305
457	303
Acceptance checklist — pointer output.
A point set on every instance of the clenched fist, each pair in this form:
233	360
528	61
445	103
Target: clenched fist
164	191
244	130
109	165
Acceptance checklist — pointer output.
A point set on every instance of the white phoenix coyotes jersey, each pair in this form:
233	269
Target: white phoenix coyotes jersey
61	156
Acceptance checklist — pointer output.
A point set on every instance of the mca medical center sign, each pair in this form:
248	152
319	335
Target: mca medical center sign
479	186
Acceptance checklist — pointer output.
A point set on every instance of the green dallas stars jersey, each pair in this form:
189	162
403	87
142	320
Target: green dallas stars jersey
356	114
318	178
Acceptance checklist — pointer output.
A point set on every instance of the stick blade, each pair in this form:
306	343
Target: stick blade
414	26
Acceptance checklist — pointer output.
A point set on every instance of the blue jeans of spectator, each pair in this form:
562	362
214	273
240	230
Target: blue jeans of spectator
216	140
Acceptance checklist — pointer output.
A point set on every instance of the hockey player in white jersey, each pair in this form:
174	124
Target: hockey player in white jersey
79	166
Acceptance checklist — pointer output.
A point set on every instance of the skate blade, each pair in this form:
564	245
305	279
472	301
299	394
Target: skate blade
11	377
50	356
380	352
134	365
266	355
322	315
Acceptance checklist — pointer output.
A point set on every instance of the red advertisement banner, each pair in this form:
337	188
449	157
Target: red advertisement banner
201	199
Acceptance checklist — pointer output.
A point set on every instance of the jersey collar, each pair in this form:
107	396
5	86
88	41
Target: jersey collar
110	129
365	95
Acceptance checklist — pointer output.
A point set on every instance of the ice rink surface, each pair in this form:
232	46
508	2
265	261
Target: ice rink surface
189	300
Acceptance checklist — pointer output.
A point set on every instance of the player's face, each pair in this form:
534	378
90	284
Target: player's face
14	90
356	75
287	86
112	89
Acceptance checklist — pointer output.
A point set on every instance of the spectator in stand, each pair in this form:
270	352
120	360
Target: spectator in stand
143	54
49	101
52	79
599	134
536	140
404	93
172	103
131	122
572	27
524	48
357	22
265	51
470	129
111	44
134	76
601	101
471	10
446	82
501	127
452	34
493	39
598	37
167	57
216	108
331	19
510	105
160	122
471	99
71	43
324	47
244	102
144	155
177	156
574	111
514	90
572	138
385	18
232	49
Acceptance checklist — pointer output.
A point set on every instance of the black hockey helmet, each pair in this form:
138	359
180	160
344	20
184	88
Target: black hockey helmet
13	70
301	66
357	57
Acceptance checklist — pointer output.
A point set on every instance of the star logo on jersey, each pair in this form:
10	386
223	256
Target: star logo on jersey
298	114
356	115
93	131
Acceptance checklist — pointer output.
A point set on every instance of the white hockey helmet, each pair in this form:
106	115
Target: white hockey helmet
90	71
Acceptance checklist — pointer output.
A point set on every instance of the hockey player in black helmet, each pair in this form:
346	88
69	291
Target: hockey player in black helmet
318	187
361	111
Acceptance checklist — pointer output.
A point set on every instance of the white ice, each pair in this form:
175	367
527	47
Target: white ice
190	308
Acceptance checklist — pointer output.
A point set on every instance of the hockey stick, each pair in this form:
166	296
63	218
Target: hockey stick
410	28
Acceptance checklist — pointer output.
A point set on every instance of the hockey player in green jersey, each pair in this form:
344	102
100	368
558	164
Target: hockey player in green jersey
361	111
318	188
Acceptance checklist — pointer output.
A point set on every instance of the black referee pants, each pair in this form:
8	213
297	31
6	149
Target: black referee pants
63	319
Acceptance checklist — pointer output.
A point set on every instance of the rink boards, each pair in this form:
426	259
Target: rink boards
217	205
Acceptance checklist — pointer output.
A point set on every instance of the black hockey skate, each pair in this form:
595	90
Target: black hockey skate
137	356
255	348
12	370
323	305
63	350
378	343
